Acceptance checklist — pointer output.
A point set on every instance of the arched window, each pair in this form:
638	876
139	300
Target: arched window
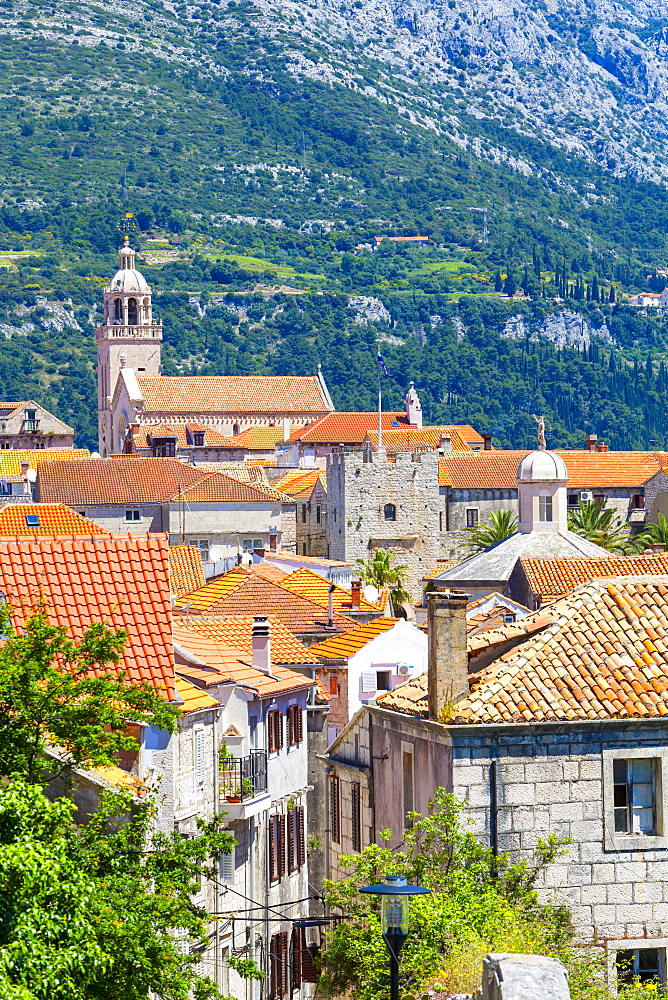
132	312
147	310
235	429
544	508
118	310
390	512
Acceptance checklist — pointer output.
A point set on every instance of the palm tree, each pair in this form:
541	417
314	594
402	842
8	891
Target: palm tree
380	573
598	524
503	524
654	534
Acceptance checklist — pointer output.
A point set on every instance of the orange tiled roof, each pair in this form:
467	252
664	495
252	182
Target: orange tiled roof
233	394
186	570
305	582
552	578
120	579
441	566
193	699
282	556
217	487
54	520
340	647
299	484
347	428
120	480
217	589
419	439
235	634
259	438
228	665
498	469
143	436
11	459
256	595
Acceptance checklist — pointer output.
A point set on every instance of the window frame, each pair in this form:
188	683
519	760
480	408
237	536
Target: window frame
279	979
335	809
615	945
390	512
472	517
407	786
274	731
276	834
356	816
135	515
295	731
545	508
614	841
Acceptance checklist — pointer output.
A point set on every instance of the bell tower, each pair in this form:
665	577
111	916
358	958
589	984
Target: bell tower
128	338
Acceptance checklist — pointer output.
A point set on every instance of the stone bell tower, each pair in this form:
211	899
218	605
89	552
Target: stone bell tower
129	338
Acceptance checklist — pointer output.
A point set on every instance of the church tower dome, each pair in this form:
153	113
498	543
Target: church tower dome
541	487
129	338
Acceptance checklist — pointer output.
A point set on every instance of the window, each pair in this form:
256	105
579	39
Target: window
278	965
296	839
164	447
573	500
639	965
407	784
133	515
252	732
599	499
634	786
303	965
334	809
276	847
318	514
198	439
638	501
32	520
249	544
390	512
471	517
383	680
294	720
203	546
275	731
333	687
303	513
544	508
198	755
634	796
356	817
227	867
132	312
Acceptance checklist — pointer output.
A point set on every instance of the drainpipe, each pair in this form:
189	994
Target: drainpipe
330	620
494	807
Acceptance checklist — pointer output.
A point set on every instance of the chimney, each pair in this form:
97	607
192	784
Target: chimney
601	447
287	429
658	548
330	619
590	441
487	438
261	641
355	594
448	669
24	468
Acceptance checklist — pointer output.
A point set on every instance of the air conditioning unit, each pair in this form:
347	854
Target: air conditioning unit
402	668
586	496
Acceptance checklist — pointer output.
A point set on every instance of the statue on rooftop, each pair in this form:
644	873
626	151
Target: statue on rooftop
540	431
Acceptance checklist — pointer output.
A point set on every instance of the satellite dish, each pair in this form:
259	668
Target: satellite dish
371	594
95	454
216	553
31	476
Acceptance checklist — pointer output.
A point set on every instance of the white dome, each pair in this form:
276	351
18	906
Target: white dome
542	466
129	280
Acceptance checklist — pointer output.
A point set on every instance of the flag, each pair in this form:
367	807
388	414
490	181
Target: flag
382	364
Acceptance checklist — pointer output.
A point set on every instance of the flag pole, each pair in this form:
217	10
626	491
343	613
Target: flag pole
380	400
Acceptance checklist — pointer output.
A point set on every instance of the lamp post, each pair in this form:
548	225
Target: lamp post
394	915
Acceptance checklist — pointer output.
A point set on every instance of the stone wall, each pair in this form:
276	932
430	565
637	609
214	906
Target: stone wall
352	766
358	492
655	495
550	780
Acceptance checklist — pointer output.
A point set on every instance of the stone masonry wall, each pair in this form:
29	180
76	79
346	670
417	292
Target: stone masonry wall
357	493
353	766
550	780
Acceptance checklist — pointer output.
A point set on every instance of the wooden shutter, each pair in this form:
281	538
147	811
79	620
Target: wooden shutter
296	948
227	867
283	962
356	819
275	729
280	820
307	969
275	829
301	834
291	726
274	967
298	724
334	809
292	840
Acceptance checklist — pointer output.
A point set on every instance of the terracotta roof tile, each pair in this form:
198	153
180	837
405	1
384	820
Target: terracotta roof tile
143	436
123	580
552	578
271	394
300	484
235	632
305	582
347	428
340	647
217	487
258	596
259	438
54	520
414	439
193	699
186	569
11	459
280	555
120	480
498	469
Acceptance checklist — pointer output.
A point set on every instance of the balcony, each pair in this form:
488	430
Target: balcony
30	426
243	785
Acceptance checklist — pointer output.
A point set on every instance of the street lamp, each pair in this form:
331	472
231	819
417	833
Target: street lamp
394	913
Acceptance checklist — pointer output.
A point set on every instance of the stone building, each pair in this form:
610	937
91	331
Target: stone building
132	392
29	426
374	503
555	725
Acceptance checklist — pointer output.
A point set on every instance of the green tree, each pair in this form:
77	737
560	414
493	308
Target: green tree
502	524
510	285
654	534
380	573
600	525
99	911
54	690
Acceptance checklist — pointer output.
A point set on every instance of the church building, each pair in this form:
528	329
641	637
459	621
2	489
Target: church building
132	392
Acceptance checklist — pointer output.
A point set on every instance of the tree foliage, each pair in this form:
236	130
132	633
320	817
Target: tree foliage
502	524
599	524
381	572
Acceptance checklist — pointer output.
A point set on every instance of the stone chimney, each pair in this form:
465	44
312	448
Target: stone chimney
413	407
602	447
355	594
261	642
590	441
448	669
487	438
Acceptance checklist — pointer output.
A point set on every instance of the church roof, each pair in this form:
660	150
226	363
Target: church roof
129	280
119	480
234	394
143	435
347	428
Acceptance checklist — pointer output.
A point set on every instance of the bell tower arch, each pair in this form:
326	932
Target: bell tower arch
129	337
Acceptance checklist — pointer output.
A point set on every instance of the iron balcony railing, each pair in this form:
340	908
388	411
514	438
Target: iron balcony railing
243	778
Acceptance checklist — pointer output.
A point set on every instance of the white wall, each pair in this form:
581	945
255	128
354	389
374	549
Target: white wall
404	643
